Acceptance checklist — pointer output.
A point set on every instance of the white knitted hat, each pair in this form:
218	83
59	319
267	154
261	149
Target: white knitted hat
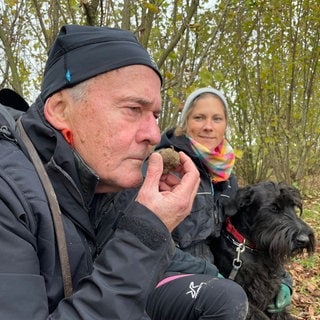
196	94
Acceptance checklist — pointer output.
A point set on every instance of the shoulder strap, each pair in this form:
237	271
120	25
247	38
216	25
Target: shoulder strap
55	210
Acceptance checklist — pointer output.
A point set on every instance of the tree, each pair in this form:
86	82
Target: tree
275	75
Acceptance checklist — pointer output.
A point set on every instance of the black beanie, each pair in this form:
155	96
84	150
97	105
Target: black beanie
82	52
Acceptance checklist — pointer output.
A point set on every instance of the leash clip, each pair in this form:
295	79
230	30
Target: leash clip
237	262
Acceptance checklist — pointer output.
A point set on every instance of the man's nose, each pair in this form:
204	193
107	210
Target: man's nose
149	131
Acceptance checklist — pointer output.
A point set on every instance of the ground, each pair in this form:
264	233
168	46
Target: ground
306	270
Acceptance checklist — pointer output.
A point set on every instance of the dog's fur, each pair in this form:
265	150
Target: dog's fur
267	216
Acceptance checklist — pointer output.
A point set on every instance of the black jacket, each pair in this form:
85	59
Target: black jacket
105	251
207	216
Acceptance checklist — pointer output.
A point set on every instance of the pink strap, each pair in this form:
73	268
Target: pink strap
169	279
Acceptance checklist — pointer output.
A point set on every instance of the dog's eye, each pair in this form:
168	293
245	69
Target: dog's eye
274	209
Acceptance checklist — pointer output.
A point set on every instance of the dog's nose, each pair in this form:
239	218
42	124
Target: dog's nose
302	240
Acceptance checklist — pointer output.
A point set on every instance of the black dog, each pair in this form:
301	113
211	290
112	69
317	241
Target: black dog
262	233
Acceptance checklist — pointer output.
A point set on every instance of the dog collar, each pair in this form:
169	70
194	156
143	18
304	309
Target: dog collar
237	235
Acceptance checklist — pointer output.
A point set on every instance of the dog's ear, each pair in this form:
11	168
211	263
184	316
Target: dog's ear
245	196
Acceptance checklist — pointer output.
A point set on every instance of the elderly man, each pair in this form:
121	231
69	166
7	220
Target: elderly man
84	139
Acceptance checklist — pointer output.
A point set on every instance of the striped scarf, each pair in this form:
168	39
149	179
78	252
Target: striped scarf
219	161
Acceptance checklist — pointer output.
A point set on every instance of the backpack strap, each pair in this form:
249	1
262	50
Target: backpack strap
54	208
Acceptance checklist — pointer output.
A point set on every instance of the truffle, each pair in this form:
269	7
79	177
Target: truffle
171	159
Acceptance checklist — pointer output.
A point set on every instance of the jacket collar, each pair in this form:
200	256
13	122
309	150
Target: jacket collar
74	182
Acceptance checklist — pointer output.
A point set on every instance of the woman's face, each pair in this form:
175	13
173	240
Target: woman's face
207	121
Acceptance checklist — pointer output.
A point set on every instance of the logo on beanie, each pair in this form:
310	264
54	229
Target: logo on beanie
68	75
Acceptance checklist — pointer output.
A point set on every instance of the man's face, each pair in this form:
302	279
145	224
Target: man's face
115	126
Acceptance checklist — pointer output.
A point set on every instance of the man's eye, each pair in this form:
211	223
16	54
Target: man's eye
134	110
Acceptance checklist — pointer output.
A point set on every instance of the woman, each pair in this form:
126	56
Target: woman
202	136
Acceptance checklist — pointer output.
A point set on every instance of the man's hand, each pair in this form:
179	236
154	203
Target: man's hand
282	300
170	197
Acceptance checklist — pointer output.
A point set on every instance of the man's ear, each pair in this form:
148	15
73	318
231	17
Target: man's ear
55	111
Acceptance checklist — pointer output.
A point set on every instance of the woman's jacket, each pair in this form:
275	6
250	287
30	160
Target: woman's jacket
204	223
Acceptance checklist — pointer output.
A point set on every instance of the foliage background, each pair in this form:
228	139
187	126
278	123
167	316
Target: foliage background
264	55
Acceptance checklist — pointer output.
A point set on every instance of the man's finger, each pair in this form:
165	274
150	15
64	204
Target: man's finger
153	172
